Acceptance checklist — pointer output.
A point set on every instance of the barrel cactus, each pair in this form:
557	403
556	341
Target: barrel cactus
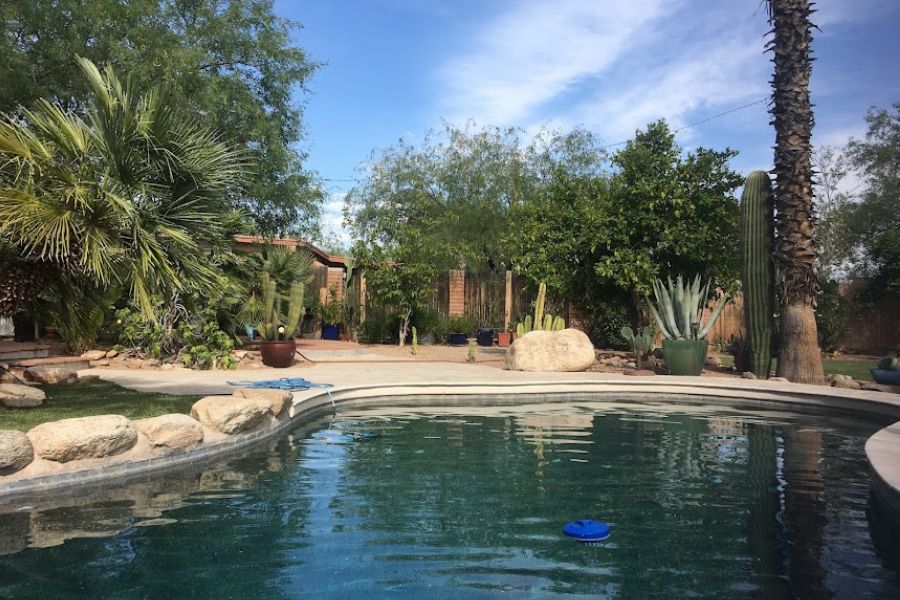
758	269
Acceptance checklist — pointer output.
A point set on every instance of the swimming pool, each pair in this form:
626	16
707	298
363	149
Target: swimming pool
703	501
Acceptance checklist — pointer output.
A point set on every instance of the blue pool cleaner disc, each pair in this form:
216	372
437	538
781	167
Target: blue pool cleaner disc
587	531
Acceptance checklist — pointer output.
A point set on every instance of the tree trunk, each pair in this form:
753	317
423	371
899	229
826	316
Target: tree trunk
795	248
799	359
404	327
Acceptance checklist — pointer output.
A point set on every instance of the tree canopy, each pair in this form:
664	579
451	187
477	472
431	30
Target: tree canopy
601	239
231	61
874	222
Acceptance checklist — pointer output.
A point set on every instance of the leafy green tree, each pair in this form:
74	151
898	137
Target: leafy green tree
402	283
231	61
834	205
874	222
454	190
601	238
135	194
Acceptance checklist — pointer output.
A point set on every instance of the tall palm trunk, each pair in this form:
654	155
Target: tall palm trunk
795	250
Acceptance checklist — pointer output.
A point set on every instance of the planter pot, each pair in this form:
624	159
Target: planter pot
456	339
427	339
504	339
485	337
685	357
885	377
330	332
278	354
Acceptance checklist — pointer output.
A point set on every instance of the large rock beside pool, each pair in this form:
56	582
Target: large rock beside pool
16	452
276	398
53	375
171	431
230	414
83	437
16	395
566	350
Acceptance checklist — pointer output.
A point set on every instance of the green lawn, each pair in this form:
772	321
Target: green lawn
93	398
855	368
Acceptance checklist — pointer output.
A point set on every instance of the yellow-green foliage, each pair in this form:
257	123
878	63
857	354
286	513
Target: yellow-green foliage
540	321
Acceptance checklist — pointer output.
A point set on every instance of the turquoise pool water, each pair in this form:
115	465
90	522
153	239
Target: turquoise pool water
703	503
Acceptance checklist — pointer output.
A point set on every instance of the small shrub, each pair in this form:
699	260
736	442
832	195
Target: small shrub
461	324
831	317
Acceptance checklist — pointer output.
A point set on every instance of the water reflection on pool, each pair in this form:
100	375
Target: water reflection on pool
703	502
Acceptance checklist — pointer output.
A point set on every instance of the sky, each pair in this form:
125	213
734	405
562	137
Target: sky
394	69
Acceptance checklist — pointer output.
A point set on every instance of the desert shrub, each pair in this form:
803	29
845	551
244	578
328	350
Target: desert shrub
831	317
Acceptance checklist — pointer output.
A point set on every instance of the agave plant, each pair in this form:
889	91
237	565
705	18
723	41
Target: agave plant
679	306
130	193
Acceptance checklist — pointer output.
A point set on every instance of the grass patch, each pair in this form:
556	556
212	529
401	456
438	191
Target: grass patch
93	398
855	368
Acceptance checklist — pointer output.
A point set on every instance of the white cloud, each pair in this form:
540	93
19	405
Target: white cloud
611	66
538	51
832	12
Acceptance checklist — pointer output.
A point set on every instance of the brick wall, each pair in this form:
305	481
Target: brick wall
457	293
335	280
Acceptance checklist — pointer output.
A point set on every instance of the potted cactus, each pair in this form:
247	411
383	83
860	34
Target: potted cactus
540	321
641	343
888	371
677	312
278	346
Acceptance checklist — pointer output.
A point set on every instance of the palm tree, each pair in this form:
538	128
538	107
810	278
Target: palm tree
795	250
130	194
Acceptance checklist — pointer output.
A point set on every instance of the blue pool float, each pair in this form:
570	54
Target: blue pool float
587	531
291	384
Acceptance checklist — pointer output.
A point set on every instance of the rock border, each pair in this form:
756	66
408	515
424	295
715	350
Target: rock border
882	449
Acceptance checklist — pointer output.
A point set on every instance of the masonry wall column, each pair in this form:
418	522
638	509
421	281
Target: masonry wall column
362	297
507	301
457	305
335	279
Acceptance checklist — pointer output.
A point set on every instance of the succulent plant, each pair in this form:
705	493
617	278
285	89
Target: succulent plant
641	342
274	327
758	269
679	307
540	321
889	363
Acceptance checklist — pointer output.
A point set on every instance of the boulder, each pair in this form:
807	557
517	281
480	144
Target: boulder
749	375
880	387
112	353
16	452
230	414
566	350
171	431
842	381
15	395
83	437
94	354
276	398
102	362
52	375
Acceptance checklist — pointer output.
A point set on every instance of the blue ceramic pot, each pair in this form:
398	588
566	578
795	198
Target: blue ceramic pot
331	332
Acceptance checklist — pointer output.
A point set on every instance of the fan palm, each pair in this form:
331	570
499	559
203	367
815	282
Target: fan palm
795	251
131	193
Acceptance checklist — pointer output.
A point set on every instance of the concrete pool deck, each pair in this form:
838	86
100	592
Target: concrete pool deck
361	384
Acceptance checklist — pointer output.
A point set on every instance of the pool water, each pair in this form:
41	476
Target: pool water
703	502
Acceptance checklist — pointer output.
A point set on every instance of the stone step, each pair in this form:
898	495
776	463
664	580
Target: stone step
12	355
68	361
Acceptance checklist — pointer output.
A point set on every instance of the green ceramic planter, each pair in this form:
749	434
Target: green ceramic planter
685	357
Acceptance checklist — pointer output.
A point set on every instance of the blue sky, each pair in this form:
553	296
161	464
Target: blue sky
395	68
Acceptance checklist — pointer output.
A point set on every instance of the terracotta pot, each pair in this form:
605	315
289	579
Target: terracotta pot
504	339
278	354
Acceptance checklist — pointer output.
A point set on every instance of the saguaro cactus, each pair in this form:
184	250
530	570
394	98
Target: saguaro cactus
758	269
